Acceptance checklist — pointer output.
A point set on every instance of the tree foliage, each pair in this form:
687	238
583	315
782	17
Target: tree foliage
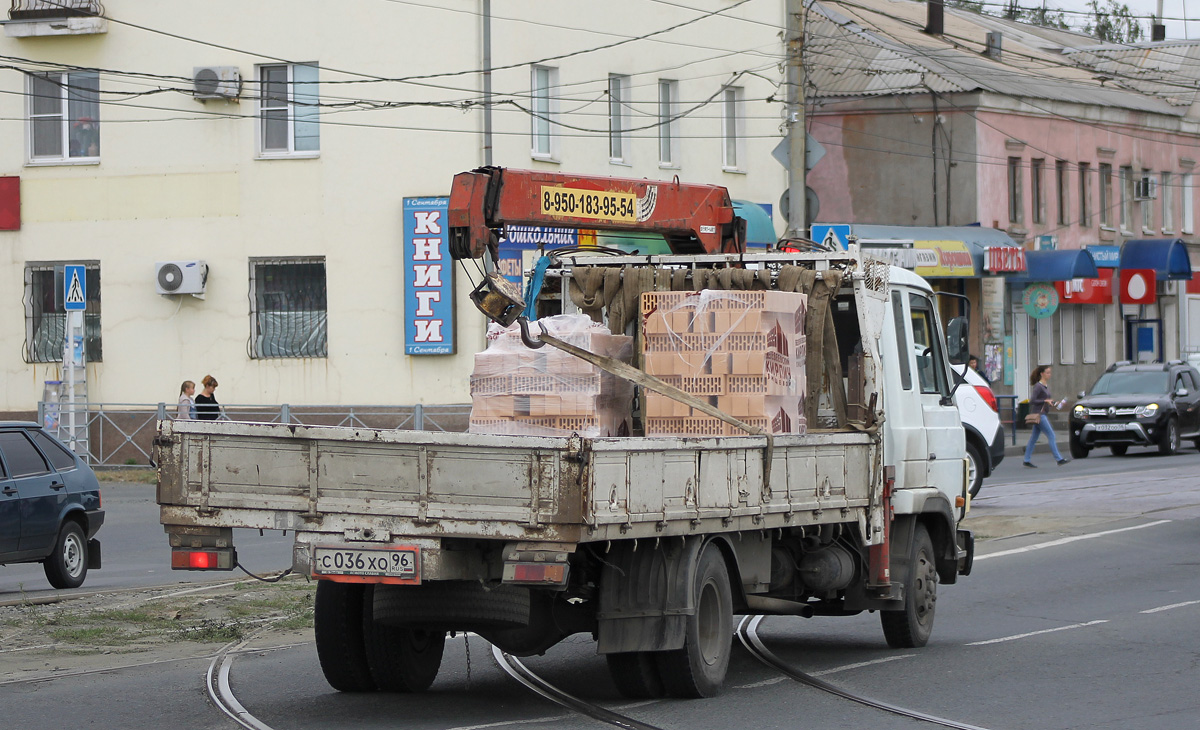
1113	22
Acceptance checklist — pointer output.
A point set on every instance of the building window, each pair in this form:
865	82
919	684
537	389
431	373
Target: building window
1085	194
1126	198
618	118
544	80
289	108
1066	330
64	117
1062	192
289	313
1147	206
45	318
1091	334
1168	202
1106	197
1189	220
668	125
1035	189
1016	209
732	120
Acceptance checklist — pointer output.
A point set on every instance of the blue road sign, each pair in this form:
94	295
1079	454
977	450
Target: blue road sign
74	288
832	237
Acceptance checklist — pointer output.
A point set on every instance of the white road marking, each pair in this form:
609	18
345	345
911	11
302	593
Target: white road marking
1168	608
1036	633
764	683
506	723
29	648
1065	540
859	665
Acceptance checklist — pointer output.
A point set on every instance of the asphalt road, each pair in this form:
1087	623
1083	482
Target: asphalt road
136	553
1080	614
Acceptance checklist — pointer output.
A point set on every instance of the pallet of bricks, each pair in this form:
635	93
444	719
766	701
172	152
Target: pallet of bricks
741	351
547	392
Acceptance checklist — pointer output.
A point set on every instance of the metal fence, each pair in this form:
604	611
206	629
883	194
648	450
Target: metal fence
121	434
36	9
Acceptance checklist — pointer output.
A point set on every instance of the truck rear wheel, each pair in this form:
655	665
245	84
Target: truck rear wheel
338	622
400	660
698	669
636	675
911	626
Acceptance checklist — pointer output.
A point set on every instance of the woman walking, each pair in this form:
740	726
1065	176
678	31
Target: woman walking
207	408
187	406
1039	403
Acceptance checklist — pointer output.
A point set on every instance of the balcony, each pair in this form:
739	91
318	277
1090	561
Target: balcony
27	18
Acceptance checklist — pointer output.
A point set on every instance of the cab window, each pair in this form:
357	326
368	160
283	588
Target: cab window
930	374
901	340
54	451
22	458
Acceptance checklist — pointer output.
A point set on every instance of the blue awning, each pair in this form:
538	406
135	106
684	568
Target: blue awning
1167	256
1060	265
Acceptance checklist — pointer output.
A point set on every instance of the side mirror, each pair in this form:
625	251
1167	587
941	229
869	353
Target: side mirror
1182	392
1082	394
957	340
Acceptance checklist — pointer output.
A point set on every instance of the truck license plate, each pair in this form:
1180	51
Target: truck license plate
1110	427
368	565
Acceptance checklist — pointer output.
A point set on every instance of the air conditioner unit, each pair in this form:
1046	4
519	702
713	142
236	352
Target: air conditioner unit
1145	188
216	82
180	277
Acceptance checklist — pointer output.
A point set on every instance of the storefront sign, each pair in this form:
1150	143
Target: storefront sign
906	257
1087	291
520	243
1137	286
1040	300
1193	285
428	278
1004	259
953	259
1106	257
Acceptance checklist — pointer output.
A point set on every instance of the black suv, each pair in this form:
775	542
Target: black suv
1151	404
49	505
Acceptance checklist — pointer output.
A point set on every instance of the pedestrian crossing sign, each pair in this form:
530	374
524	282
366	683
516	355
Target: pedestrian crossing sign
74	288
833	238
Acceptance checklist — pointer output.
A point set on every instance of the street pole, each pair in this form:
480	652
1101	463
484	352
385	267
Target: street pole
487	82
794	40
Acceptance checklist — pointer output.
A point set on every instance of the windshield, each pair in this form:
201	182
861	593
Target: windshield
1131	382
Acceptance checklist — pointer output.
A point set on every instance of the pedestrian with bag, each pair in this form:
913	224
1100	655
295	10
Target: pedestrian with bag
1039	405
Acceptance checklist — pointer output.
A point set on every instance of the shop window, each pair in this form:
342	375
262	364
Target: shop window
1045	340
1090	330
1066	328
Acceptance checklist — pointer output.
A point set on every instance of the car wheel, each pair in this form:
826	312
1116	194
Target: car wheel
67	566
1169	441
974	470
1078	450
1119	449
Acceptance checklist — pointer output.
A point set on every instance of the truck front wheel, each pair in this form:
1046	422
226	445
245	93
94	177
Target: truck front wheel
698	669
338	622
911	626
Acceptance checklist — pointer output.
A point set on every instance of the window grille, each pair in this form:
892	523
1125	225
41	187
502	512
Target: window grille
289	316
46	320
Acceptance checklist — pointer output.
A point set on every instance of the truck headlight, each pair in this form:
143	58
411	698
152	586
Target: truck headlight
1080	412
1147	411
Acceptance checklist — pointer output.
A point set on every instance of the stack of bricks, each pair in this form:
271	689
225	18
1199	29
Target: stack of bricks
741	351
548	392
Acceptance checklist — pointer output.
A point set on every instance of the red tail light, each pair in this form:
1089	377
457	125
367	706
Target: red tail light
203	559
988	397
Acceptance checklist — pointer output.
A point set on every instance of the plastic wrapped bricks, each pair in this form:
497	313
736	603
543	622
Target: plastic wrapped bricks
547	392
742	351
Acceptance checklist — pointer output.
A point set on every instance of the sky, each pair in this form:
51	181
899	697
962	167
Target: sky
1174	12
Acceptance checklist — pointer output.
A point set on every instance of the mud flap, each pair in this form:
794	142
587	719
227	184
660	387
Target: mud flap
646	594
93	554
